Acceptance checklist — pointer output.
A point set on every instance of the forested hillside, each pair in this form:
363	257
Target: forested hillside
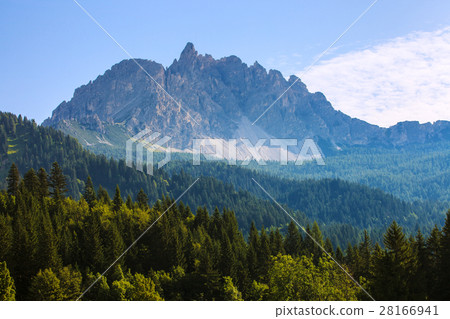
411	172
342	209
326	200
53	248
31	146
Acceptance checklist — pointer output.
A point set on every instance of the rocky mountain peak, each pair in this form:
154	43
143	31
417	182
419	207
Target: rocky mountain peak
220	93
189	53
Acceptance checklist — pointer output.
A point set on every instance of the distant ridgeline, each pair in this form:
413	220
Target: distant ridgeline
342	209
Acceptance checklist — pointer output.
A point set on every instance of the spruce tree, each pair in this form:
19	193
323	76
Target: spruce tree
445	260
47	256
419	281
57	182
142	199
13	180
129	202
434	250
339	255
103	196
252	252
293	241
31	182
364	253
317	235
117	200
92	243
6	237
227	259
329	247
201	218
263	254
276	243
89	192
43	182
398	264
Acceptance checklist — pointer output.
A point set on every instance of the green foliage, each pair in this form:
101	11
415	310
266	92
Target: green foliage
117	200
46	286
258	291
198	257
395	170
444	289
7	287
13	180
57	182
293	243
343	209
70	283
230	292
300	279
55	244
89	192
142	199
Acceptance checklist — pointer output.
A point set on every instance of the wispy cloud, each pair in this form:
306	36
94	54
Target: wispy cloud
406	78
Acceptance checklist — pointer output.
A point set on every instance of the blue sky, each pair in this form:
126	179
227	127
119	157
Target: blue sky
49	48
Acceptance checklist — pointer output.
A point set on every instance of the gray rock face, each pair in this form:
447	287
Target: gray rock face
217	95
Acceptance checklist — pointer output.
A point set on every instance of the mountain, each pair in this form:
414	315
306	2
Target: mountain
216	98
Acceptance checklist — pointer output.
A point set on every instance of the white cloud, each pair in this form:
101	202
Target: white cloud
407	78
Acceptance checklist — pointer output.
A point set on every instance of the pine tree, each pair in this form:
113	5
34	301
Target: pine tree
293	241
129	202
89	192
6	237
329	247
13	180
112	243
92	244
227	259
201	218
445	260
419	281
398	264
7	287
142	199
276	243
25	244
339	255
252	252
117	200
364	253
434	250
47	255
43	182
103	196
318	243
215	225
57	182
263	254
31	182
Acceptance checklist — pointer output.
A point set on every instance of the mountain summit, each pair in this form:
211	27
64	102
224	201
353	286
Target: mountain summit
217	98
